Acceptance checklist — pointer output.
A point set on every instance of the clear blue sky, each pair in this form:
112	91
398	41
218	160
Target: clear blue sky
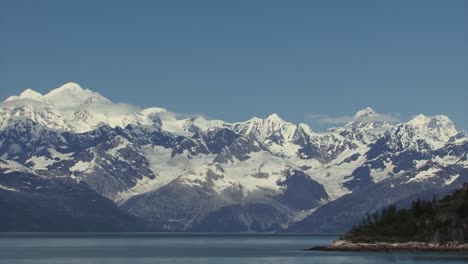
235	59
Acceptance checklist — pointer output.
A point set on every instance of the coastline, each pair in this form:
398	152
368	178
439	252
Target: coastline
344	245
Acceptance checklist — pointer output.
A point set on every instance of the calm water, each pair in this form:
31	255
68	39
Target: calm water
192	248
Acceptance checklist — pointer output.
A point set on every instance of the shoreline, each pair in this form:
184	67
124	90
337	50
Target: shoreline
343	245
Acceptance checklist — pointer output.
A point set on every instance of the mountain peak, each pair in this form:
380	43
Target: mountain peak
366	112
252	120
274	118
72	95
27	94
438	121
306	128
419	120
202	123
68	87
436	131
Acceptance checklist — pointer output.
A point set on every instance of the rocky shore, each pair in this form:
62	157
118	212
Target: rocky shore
344	245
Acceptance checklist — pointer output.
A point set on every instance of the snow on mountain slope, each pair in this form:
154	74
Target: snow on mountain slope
166	168
260	171
86	109
366	126
422	133
148	159
38	111
73	108
406	147
334	174
27	94
72	96
93	115
8	166
272	128
290	141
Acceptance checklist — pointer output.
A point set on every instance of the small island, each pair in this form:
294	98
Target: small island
437	225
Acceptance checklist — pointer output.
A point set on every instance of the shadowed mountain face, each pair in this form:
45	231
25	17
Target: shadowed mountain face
34	203
193	174
340	215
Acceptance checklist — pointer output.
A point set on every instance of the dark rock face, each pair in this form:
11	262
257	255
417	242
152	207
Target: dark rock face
340	215
239	149
300	192
452	149
174	207
217	139
252	217
352	158
32	203
324	148
360	178
110	174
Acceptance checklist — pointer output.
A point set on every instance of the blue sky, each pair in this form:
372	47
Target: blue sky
232	60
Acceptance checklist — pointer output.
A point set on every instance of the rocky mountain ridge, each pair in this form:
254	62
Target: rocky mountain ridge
185	174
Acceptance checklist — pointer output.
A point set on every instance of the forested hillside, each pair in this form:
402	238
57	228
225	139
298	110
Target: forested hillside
442	221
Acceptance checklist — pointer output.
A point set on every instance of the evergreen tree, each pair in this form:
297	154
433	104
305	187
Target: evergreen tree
442	221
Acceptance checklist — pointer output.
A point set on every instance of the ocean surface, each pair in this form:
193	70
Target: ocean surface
192	248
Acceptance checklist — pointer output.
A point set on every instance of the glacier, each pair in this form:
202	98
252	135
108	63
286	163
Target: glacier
181	173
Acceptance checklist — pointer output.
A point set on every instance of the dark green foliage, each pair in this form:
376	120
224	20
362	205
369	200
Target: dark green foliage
444	221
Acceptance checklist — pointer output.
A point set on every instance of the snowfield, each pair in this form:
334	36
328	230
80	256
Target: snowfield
127	153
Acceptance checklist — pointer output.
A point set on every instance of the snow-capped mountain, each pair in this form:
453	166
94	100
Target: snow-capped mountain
190	173
366	126
74	109
422	133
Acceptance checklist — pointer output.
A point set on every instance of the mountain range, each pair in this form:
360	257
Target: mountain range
72	160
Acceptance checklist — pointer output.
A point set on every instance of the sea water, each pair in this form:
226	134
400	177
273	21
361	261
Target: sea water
171	248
